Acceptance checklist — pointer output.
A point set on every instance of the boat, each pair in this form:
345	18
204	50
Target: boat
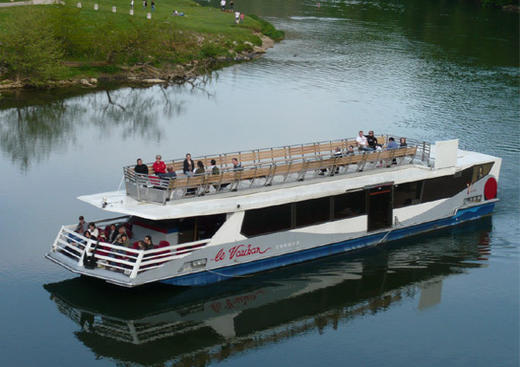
199	324
279	206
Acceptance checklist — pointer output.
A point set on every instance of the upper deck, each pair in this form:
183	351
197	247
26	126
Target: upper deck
267	167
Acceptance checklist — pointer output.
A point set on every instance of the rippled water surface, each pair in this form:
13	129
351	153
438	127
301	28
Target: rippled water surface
425	69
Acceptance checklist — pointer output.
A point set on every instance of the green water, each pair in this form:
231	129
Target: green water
425	69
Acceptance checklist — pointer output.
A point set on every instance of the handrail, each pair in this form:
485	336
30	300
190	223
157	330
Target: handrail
154	189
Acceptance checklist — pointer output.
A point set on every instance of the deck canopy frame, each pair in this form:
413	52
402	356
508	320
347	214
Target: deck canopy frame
268	166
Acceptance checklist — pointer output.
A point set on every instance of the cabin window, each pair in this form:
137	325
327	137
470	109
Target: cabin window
446	186
199	228
480	171
407	194
349	205
311	212
266	220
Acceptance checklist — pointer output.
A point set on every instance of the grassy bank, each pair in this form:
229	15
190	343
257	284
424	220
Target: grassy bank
42	44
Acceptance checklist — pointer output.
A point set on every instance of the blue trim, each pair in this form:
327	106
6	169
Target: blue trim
207	277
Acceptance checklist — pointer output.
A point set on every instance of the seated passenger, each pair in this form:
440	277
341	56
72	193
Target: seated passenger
148	242
391	144
372	141
402	143
120	231
81	227
350	150
362	142
123	241
170	174
159	166
140	167
188	166
89	235
200	168
337	153
93	230
213	168
237	166
112	233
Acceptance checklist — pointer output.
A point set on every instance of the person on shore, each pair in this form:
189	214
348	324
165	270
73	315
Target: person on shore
223	5
232	5
237	17
145	3
81	227
200	168
237	166
362	142
188	166
402	143
153	5
140	167
131	4
159	166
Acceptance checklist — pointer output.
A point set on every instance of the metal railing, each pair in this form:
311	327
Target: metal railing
121	259
269	166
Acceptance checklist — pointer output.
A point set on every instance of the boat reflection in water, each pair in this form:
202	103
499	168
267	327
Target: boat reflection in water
194	326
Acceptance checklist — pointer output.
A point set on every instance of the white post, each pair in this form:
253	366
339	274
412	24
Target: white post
148	15
131	13
96	7
137	264
78	5
114	9
85	252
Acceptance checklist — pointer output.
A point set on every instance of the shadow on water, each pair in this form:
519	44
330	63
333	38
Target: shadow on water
194	326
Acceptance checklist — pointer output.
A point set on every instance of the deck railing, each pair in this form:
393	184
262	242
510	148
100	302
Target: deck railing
125	260
265	167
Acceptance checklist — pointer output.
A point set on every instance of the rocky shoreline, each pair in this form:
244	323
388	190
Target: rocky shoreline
144	74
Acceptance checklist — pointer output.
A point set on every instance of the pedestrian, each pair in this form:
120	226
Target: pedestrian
145	3
223	5
131	4
153	5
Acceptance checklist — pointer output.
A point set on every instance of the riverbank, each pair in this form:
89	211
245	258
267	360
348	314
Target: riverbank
64	45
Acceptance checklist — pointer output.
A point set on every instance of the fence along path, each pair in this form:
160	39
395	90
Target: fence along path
297	161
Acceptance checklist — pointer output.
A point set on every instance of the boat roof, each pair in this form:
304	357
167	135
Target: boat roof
120	202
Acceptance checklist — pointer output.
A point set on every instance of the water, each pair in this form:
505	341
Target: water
430	70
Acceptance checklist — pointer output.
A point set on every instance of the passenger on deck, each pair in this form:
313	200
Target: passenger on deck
123	241
188	166
372	140
237	166
391	144
170	174
81	227
93	230
350	150
200	168
402	143
89	235
140	167
362	142
213	168
148	242
159	167
112	233
120	232
337	153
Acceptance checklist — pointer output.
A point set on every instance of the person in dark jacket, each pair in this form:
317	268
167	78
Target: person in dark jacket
140	167
188	165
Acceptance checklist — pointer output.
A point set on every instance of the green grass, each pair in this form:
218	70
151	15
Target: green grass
119	39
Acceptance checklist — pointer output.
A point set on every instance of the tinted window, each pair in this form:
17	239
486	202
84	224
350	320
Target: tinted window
407	194
480	171
266	220
446	186
311	212
349	205
199	228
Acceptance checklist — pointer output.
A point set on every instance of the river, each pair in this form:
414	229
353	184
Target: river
428	70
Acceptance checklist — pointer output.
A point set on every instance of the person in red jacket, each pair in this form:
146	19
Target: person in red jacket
159	167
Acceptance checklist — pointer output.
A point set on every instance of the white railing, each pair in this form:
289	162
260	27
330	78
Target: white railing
125	260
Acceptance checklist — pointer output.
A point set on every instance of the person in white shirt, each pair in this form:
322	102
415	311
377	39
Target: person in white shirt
362	142
223	5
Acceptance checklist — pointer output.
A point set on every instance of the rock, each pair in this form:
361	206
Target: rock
93	81
85	83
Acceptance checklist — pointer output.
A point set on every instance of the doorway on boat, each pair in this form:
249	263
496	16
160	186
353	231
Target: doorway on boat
379	200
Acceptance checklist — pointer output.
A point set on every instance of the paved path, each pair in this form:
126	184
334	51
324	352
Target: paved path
33	2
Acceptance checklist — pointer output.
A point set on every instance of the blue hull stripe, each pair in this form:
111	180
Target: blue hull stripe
207	277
